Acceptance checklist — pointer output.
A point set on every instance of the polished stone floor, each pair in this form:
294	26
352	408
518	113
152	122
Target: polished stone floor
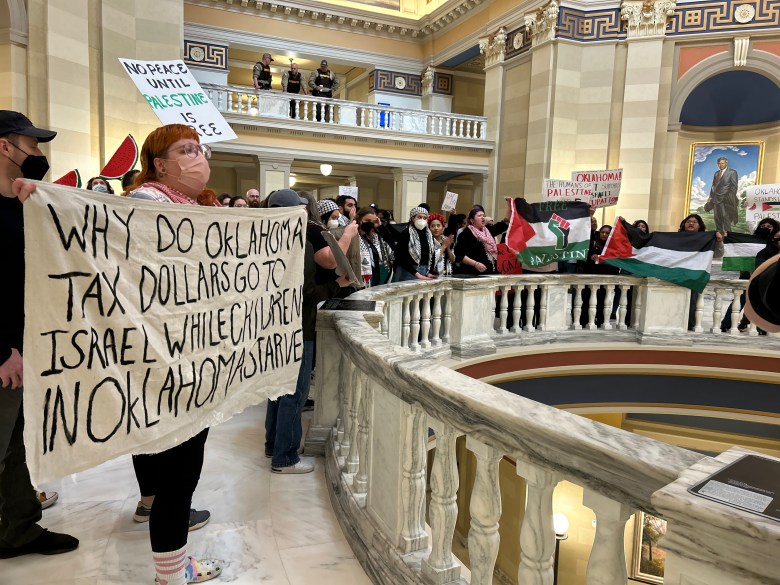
271	529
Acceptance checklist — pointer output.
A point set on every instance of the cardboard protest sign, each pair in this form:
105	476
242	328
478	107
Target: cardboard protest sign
507	262
177	98
450	201
762	201
348	191
148	322
605	185
559	190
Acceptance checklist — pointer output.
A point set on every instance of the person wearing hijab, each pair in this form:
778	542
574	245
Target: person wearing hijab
415	252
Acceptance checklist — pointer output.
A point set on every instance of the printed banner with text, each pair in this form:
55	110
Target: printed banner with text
762	201
605	185
148	322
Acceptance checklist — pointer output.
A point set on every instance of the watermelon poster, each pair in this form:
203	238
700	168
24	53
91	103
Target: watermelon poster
159	321
177	98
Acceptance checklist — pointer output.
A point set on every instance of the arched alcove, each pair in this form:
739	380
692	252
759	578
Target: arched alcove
762	64
732	98
13	21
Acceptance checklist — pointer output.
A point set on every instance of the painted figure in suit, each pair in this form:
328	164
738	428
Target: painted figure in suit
723	199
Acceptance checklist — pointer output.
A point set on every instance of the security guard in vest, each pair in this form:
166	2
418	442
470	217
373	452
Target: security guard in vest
323	83
291	83
261	72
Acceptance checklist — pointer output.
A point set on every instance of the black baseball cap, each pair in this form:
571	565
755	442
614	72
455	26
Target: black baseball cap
285	198
324	63
15	123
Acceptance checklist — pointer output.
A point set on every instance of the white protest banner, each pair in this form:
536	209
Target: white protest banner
148	322
348	191
606	185
762	201
177	98
559	190
450	201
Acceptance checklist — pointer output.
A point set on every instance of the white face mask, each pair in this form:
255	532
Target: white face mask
333	224
99	188
420	224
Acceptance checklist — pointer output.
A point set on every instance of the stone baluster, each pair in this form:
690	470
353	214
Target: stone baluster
447	299
344	373
440	566
609	298
623	306
517	309
414	329
577	309
607	562
537	535
485	508
460	128
636	314
436	320
698	313
717	309
752	330
414	461
542	325
503	309
425	321
360	482
229	100
592	300
530	303
482	130
358	382
405	323
385	327
348	388
333	109
735	309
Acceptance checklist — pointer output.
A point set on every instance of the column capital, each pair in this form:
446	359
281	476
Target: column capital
493	48
646	18
427	77
274	160
542	25
414	173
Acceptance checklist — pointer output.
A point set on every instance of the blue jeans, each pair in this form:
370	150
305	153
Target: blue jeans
283	429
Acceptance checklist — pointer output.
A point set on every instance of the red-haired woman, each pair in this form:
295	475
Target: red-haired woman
174	169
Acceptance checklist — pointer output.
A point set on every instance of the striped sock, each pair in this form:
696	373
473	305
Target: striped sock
170	567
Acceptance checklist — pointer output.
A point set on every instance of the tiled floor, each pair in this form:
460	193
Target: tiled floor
271	529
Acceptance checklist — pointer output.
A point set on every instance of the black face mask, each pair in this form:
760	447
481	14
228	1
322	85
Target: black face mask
367	226
34	166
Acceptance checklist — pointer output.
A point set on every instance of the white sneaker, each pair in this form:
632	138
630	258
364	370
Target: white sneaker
47	499
300	467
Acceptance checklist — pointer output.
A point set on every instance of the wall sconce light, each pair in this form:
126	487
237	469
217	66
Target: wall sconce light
292	181
561	527
326	169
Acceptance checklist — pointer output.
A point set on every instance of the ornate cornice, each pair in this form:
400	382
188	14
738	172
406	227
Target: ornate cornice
493	48
542	24
646	18
349	19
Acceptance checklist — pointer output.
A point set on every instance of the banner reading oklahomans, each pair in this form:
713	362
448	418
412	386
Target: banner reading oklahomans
147	322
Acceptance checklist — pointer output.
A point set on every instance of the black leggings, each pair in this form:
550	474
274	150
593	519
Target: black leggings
171	477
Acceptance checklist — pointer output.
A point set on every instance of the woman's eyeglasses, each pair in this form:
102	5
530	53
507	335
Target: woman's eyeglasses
192	150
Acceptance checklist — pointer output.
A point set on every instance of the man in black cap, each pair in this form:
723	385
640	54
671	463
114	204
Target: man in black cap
261	72
323	83
20	509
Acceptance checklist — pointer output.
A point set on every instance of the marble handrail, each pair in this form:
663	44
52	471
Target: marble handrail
380	390
233	99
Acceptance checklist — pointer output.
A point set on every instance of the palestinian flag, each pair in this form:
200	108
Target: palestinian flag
548	232
739	252
683	258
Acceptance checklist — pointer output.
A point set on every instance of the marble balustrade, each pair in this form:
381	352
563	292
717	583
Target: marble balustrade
380	392
246	101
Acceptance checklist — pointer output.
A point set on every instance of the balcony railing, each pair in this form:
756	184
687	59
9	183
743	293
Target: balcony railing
321	113
382	386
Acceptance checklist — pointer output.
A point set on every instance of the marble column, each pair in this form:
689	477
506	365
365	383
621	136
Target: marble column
646	22
411	189
273	173
494	49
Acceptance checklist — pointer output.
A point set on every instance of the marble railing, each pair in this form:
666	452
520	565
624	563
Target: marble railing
382	385
341	115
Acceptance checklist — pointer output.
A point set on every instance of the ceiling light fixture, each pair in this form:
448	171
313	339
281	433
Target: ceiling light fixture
326	169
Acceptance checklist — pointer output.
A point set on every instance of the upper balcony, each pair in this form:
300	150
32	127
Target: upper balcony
348	120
